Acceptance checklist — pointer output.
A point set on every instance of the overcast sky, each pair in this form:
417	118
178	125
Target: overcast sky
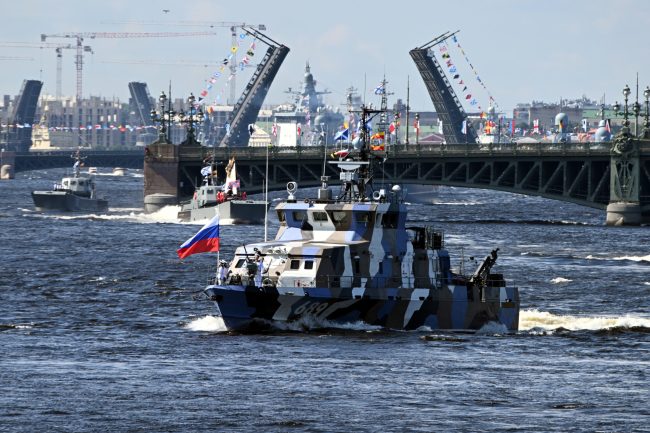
523	50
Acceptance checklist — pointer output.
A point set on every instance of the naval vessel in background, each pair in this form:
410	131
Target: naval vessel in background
225	200
74	193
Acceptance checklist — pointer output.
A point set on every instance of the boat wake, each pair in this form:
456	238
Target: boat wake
207	324
628	258
542	322
166	215
560	280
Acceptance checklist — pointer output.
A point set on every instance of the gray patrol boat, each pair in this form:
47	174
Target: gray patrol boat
74	193
354	258
227	200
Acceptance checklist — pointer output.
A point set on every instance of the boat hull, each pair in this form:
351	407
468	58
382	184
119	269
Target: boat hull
236	211
450	308
67	202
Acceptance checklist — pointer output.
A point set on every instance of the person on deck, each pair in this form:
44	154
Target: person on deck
260	270
223	271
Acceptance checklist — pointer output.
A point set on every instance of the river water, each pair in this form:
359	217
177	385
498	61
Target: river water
103	328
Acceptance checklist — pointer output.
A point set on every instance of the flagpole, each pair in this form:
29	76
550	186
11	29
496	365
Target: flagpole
216	275
266	196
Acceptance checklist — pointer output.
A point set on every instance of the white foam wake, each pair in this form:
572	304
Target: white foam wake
207	324
542	320
166	215
631	258
559	280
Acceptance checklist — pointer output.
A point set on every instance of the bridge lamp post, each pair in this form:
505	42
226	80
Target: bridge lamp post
161	116
617	107
646	121
194	117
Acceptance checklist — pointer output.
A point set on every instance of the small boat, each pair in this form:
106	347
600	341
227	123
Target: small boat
119	171
92	170
226	199
353	257
73	194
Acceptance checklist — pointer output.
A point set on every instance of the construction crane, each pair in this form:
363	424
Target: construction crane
29	59
211	24
96	35
59	56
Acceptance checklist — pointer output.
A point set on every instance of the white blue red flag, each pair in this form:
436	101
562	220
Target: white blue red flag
205	241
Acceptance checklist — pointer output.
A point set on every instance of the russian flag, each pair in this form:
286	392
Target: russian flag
205	241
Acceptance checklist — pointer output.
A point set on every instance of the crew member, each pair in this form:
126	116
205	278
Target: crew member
260	270
223	271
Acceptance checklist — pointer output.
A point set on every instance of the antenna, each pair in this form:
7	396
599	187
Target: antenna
408	108
266	196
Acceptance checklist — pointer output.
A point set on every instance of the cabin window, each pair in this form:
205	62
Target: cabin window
210	191
320	216
73	182
389	220
309	264
240	263
295	264
65	183
81	183
281	216
362	217
299	215
339	217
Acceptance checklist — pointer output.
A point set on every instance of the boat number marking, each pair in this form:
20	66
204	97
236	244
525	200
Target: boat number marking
314	308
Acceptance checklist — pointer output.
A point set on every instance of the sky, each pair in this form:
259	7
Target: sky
522	50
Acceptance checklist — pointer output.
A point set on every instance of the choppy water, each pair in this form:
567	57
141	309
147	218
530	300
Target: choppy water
102	328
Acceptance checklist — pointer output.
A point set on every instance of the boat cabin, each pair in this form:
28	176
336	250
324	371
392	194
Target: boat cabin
81	186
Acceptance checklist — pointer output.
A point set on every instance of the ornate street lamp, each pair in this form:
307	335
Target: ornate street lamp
617	107
192	117
161	116
646	122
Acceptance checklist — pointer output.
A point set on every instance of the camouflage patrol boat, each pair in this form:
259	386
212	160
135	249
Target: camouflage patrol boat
353	258
74	193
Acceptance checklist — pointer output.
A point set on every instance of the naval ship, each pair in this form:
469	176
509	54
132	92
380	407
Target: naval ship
352	257
74	193
226	200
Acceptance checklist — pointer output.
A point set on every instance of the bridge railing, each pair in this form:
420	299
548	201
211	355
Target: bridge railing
414	150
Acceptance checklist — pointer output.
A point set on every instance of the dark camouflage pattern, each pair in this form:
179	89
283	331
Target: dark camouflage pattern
342	262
